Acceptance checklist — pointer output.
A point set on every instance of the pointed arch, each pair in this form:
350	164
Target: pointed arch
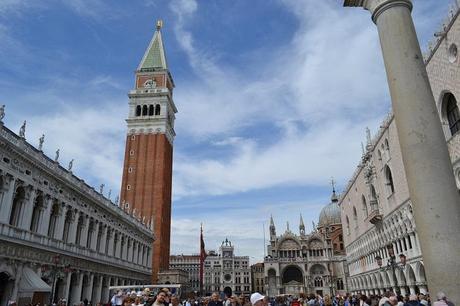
151	110
138	110
355	217
389	180
144	110
410	275
420	272
364	205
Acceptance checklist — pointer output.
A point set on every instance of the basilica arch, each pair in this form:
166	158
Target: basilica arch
292	279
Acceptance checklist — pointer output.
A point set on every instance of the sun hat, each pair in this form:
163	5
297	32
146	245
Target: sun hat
255	297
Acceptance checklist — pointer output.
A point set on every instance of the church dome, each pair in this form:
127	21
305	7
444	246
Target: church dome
330	214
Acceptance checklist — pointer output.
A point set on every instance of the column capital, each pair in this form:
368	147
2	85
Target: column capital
376	7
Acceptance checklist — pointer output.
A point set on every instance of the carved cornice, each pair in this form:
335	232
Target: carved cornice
377	7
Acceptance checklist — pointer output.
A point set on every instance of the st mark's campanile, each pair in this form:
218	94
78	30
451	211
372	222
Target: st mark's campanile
147	172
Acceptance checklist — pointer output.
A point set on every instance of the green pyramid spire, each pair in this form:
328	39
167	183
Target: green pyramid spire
154	57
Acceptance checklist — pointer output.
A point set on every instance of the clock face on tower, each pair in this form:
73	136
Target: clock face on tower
150	83
227	277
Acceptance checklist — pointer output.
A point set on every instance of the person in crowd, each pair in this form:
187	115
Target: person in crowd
327	300
160	300
312	301
363	299
413	301
442	300
128	301
258	299
423	299
117	299
393	299
175	301
215	300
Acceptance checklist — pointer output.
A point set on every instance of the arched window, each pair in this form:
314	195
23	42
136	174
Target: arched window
53	219
363	200
138	110
387	145
373	199
144	110
389	180
99	237
36	213
122	246
107	241
157	110
340	284
89	238
67	222
16	210
452	113
150	110
355	217
80	226
115	245
318	282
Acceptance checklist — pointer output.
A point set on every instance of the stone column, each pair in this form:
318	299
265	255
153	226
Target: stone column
60	222
7	200
103	238
67	287
97	291
411	290
27	208
84	231
87	289
111	241
17	280
73	228
427	163
403	291
45	220
94	236
76	290
105	290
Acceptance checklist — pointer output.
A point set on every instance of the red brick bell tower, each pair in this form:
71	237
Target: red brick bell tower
147	172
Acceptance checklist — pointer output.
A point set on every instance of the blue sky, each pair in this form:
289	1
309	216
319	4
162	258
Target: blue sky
273	97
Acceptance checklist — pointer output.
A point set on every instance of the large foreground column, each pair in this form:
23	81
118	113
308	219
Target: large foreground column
426	160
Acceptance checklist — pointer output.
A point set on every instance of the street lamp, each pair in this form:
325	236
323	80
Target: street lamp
55	273
392	264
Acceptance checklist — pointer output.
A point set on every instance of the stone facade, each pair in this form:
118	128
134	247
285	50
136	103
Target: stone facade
147	172
225	270
59	234
307	263
190	264
376	208
258	277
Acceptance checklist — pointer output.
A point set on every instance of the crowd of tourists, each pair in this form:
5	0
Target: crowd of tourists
165	298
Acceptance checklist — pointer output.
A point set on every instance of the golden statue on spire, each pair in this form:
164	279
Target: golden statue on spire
159	24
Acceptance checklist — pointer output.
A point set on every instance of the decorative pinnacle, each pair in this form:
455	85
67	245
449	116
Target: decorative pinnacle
159	24
333	184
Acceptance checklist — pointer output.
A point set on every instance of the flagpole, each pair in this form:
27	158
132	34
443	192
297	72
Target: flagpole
263	228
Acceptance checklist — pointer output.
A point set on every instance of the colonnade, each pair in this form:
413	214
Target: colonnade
28	208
